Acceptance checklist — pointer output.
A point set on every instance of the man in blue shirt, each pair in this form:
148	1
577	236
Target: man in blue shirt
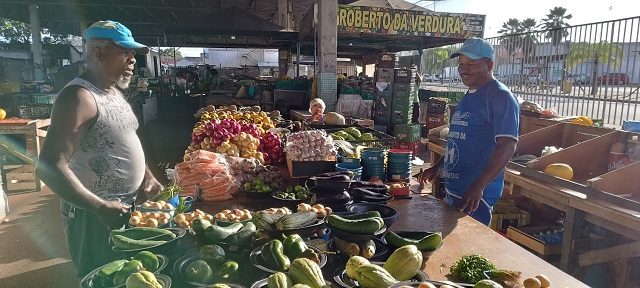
482	136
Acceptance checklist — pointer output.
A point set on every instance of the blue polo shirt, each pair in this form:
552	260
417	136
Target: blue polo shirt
482	115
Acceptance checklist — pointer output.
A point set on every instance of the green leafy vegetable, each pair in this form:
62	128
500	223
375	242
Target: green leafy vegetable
182	206
168	193
470	268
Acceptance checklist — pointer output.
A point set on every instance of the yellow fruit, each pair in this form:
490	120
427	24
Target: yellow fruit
560	170
3	114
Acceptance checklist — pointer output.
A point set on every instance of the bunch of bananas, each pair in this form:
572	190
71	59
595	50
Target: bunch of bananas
583	120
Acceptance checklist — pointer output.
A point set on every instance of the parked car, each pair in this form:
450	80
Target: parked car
427	78
581	79
614	79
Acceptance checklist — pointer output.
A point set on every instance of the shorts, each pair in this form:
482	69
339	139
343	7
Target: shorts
87	239
482	214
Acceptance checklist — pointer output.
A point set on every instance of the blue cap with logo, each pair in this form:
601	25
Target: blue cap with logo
116	32
475	48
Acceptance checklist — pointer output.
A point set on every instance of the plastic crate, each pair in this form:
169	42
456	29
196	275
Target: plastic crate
367	96
404	76
299	85
413	146
436	106
387	92
349	90
435	120
408	132
35	112
284	84
424	95
455	96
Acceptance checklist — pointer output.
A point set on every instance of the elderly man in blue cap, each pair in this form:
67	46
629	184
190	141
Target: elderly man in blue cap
92	157
482	136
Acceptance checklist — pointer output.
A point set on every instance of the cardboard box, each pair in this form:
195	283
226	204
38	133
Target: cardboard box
524	236
302	169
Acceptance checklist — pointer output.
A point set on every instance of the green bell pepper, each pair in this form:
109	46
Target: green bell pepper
294	246
228	270
274	257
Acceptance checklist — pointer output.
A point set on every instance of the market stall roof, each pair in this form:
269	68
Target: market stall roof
196	23
394	4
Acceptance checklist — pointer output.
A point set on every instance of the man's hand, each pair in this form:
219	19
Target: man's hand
113	214
471	199
153	187
428	175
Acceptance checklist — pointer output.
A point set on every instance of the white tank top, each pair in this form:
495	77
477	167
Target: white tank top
110	160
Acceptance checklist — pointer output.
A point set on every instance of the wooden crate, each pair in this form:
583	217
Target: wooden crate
588	159
560	135
524	236
529	124
21	178
502	221
623	182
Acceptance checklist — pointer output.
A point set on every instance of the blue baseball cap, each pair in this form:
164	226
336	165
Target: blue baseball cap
117	33
475	48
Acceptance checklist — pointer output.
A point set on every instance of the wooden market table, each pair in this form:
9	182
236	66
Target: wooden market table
579	209
462	235
34	134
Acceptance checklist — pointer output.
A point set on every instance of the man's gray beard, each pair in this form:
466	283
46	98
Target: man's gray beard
122	83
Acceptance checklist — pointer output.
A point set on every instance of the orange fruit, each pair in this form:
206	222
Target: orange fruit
3	114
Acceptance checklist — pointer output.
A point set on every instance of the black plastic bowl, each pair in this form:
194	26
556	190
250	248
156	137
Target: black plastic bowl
389	214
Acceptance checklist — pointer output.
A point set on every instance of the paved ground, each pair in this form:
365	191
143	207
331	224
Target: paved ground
34	252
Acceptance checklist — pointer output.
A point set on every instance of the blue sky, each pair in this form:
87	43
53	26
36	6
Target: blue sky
499	11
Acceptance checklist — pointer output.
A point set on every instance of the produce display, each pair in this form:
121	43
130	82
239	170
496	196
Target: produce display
319	209
259	186
235	215
133	271
138	237
149	219
186	220
267	221
207	173
362	223
313	145
237	132
211	266
278	255
352	134
363	191
293	193
403	264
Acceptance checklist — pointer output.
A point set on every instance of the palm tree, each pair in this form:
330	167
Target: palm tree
603	52
554	23
434	59
509	39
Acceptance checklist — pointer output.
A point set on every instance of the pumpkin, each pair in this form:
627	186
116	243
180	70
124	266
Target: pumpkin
333	118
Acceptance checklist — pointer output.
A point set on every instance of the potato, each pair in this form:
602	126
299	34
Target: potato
146	214
244	217
544	280
208	217
321	213
161	202
318	206
152	222
156	215
156	205
183	224
226	211
146	205
302	207
328	210
163	221
167	206
179	218
134	220
141	224
232	218
426	285
221	216
137	214
246	211
532	283
166	216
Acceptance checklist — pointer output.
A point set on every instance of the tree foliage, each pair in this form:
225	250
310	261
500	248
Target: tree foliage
168	52
434	60
19	33
555	23
602	52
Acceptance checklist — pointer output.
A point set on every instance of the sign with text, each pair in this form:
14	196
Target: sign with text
407	22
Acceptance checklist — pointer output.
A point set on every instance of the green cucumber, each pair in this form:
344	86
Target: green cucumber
427	243
368	214
141	233
126	243
244	236
359	226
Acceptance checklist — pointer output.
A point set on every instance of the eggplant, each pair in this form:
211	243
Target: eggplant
331	174
373	187
366	195
331	198
334	178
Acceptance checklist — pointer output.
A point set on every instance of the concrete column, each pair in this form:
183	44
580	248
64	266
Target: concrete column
284	14
328	52
284	55
36	45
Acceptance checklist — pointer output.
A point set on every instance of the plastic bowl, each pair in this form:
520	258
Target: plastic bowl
350	160
389	214
348	166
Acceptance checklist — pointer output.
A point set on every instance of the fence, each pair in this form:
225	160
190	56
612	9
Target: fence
591	69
